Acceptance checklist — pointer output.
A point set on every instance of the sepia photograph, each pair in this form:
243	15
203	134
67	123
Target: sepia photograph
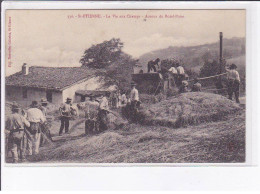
125	86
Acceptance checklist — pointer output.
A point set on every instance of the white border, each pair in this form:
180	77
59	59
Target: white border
12	171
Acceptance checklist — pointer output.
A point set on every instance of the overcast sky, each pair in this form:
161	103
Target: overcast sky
50	38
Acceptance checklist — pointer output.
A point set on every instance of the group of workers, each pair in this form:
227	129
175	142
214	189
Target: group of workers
24	130
96	111
233	83
178	77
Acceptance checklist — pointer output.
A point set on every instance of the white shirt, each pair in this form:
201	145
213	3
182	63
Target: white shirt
180	70
134	94
103	104
35	115
233	74
173	70
124	99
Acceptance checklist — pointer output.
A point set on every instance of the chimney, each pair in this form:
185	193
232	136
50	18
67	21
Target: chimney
25	69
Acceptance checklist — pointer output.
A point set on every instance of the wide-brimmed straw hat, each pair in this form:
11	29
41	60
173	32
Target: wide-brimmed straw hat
44	101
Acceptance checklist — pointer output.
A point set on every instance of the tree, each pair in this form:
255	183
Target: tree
103	54
119	72
113	66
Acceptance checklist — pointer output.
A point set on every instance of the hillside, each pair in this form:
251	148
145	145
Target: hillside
193	56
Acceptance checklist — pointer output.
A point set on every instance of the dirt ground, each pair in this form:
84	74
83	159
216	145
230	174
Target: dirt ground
214	142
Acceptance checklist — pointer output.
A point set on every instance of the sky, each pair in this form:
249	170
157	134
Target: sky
59	37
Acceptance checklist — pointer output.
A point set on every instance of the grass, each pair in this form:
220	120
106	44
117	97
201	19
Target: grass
209	142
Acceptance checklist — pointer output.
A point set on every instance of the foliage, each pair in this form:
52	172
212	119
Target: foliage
103	54
114	67
119	72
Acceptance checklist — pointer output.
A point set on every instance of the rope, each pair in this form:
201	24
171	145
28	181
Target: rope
208	77
216	89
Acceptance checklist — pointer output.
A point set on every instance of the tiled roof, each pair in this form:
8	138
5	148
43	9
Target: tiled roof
56	78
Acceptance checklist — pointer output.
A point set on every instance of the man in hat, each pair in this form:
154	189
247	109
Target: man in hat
16	124
46	125
196	86
36	118
151	65
91	113
65	114
102	113
134	97
233	82
173	74
181	73
43	106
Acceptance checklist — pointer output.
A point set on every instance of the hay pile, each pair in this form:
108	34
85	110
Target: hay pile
219	141
189	109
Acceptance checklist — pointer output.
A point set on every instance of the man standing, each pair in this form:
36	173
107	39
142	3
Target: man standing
134	97
173	74
16	124
46	125
43	106
123	99
233	82
65	112
91	113
35	117
102	113
181	73
151	65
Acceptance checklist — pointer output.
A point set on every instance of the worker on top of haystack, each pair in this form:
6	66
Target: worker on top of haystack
181	73
16	124
173	74
151	65
196	86
184	87
233	82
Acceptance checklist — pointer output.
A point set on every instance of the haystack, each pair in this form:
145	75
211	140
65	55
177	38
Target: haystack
189	109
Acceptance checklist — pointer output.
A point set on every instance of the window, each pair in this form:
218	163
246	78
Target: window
49	96
24	92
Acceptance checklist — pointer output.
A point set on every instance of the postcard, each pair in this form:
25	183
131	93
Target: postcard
125	86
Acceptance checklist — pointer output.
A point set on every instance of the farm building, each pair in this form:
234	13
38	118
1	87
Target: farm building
53	83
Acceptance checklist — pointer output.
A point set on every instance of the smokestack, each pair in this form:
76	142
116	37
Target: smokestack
220	50
25	69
